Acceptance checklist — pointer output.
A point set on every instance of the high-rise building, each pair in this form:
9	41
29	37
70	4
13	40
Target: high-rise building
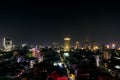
94	45
7	44
67	44
106	54
86	46
77	45
106	57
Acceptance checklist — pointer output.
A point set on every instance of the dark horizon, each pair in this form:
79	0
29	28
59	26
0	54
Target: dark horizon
46	22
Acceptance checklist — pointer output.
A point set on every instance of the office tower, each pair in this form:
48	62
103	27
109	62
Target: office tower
86	46
106	57
66	44
77	45
94	45
105	54
7	44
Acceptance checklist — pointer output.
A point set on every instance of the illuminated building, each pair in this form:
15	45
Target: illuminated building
7	45
23	45
113	46
36	54
86	46
107	46
97	57
77	45
106	57
106	54
66	44
116	61
94	45
32	62
19	59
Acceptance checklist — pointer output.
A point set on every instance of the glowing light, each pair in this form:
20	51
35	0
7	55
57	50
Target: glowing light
19	60
58	51
117	57
62	78
117	66
32	62
118	48
97	60
66	44
108	46
67	47
55	64
66	38
33	49
113	46
82	48
66	54
96	47
72	77
38	51
59	64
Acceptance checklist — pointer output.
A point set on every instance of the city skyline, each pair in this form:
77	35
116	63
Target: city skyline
45	23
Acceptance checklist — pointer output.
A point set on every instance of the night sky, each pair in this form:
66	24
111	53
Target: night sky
46	22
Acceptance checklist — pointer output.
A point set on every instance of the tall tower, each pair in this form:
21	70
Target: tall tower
77	45
66	44
7	45
106	55
86	46
93	45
